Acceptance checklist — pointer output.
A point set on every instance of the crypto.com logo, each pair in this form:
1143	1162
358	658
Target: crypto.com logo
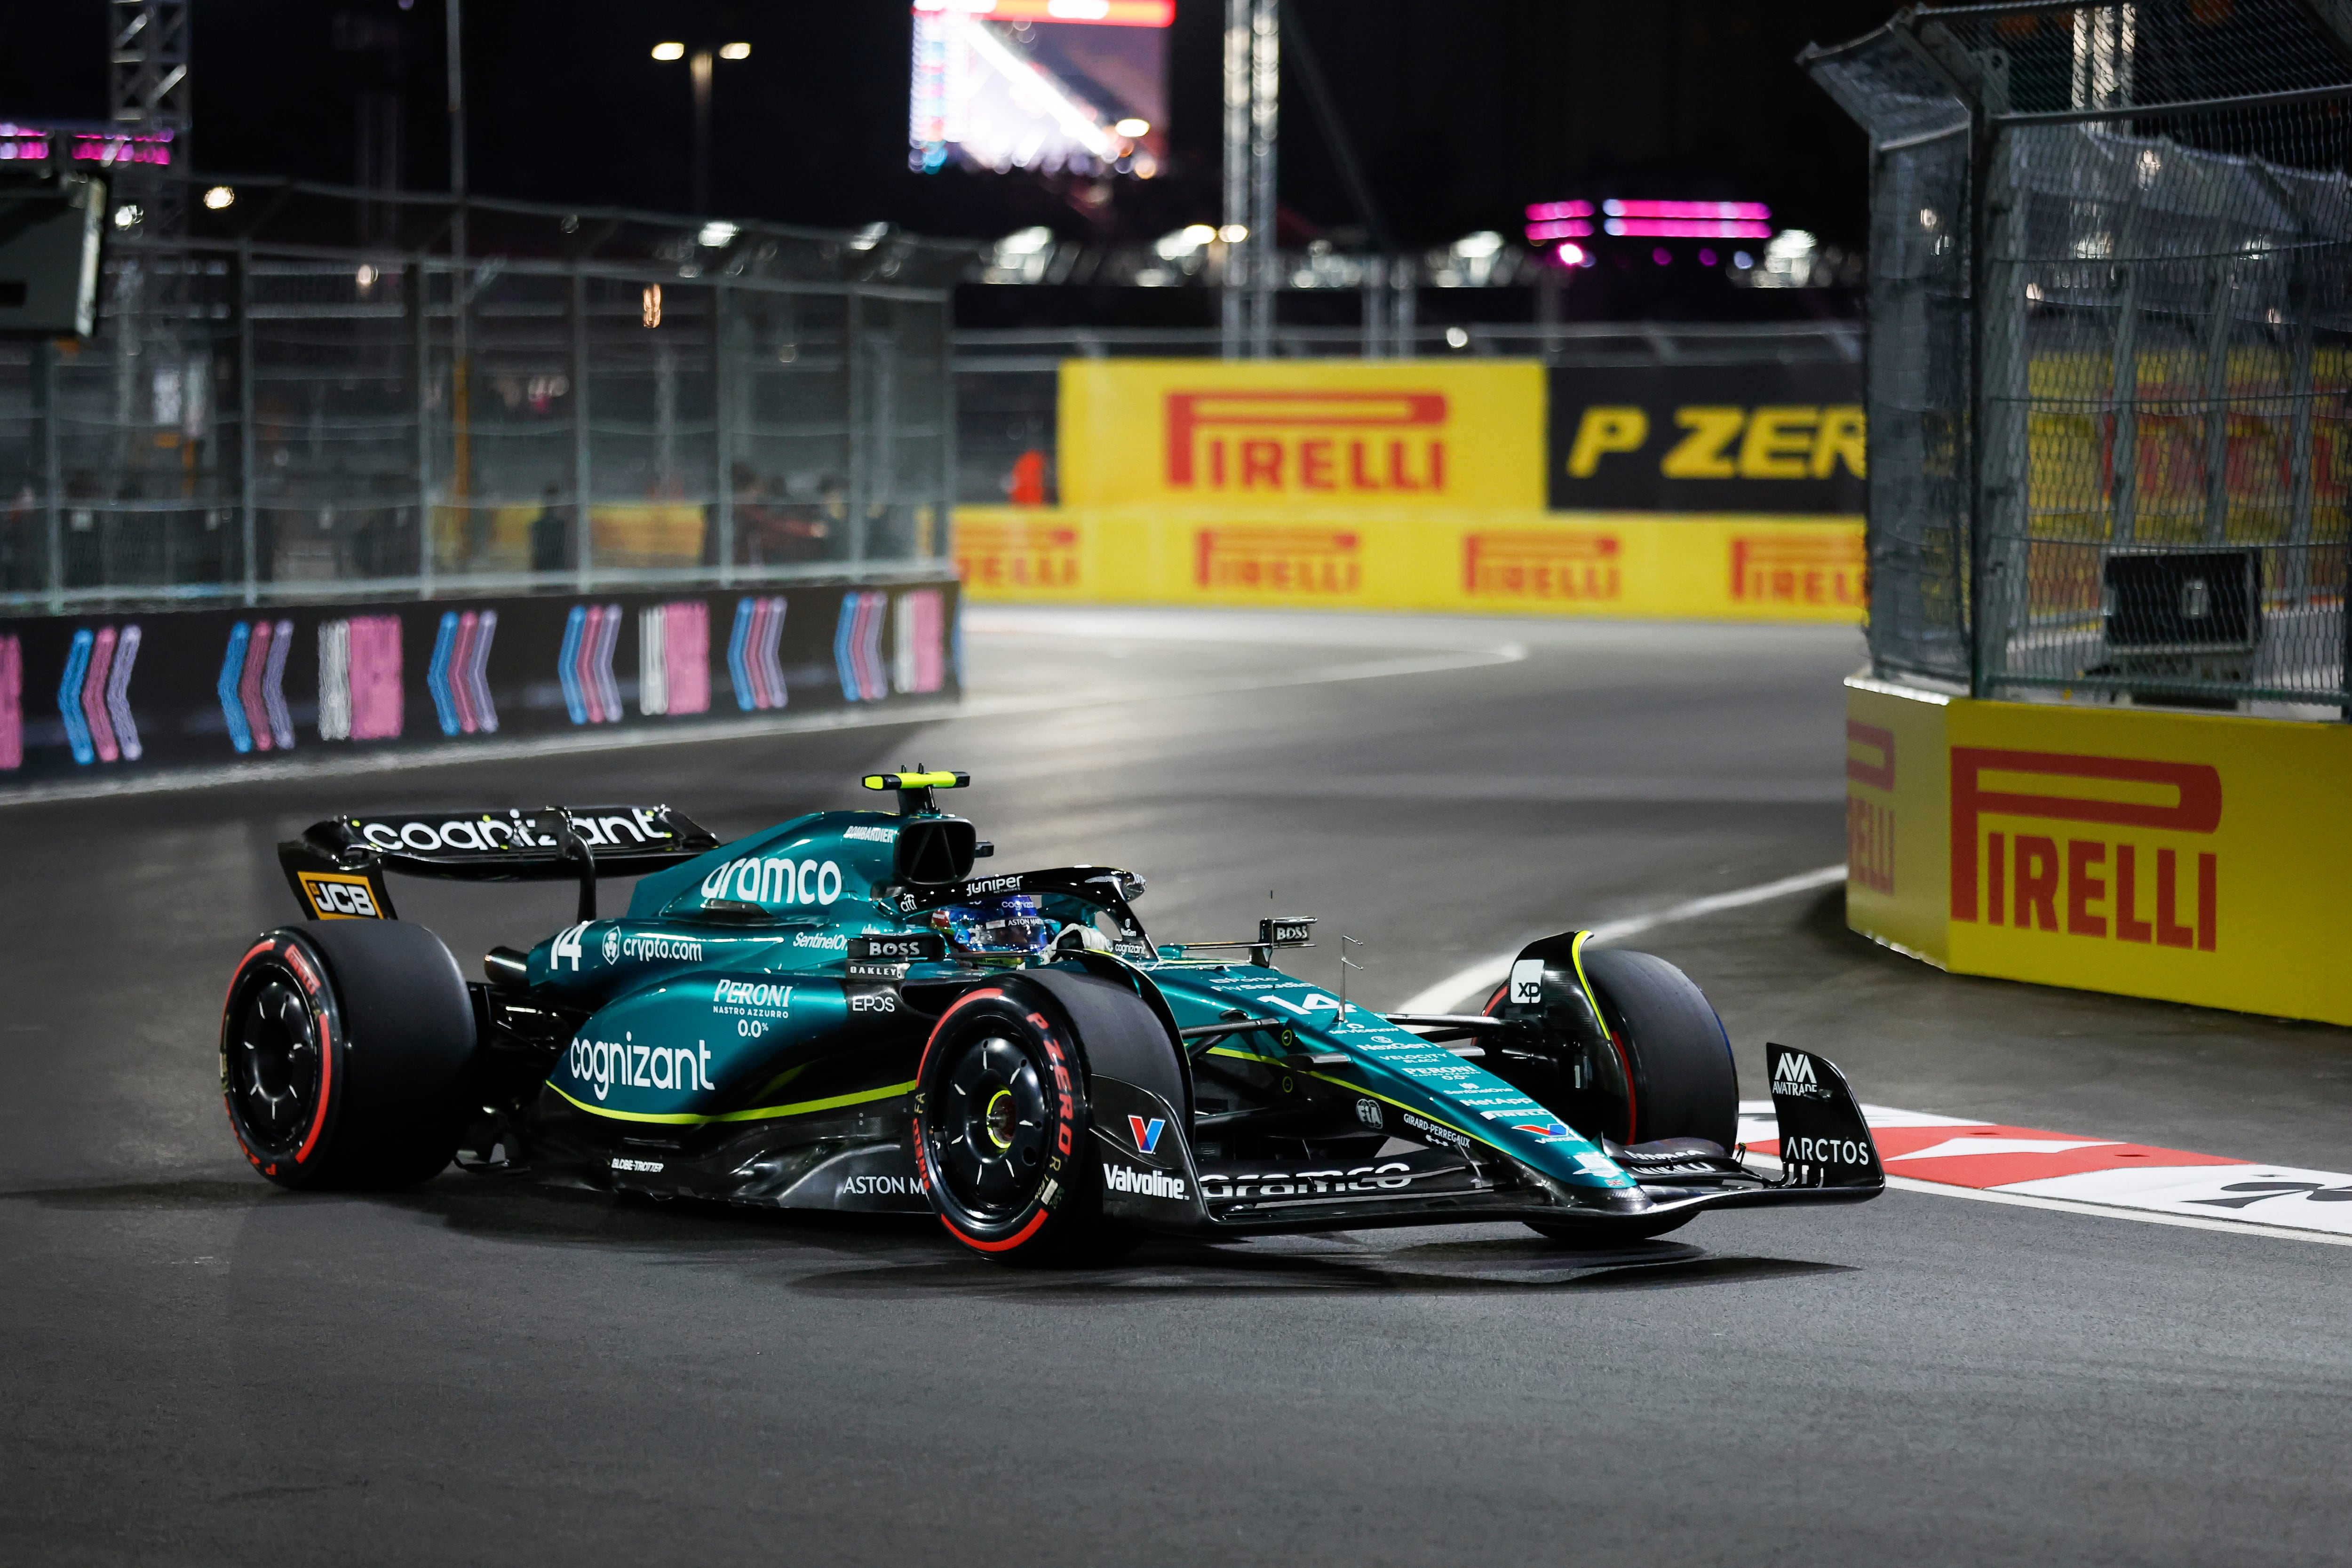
2026	879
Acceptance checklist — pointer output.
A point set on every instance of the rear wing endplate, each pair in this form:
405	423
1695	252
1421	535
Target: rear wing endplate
337	868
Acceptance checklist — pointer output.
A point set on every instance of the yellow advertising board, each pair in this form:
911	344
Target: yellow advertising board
1303	436
2192	858
1462	561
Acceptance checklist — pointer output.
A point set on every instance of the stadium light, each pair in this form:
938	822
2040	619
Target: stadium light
219	197
734	51
1132	128
669	51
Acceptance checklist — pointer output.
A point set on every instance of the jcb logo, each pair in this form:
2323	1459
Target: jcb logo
1723	441
2096	886
340	898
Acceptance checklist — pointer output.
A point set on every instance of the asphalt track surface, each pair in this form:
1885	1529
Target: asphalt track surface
199	1368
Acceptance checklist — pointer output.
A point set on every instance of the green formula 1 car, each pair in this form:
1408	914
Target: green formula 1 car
837	1013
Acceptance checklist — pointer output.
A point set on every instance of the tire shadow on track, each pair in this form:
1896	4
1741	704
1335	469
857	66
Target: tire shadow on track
1162	1271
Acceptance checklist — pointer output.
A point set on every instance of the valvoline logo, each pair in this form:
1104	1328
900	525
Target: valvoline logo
1147	1133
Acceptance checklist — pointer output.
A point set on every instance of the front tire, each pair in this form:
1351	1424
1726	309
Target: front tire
344	1051
1001	1131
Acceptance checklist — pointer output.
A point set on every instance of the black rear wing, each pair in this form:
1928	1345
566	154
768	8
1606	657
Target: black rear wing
337	868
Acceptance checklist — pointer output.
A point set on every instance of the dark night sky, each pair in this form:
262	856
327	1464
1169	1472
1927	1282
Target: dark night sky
1464	110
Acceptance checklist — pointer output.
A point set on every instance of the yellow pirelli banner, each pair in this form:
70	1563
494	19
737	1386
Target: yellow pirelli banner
2190	857
1377	485
1506	563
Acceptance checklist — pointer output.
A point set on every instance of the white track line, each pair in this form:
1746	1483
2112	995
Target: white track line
594	738
1489	973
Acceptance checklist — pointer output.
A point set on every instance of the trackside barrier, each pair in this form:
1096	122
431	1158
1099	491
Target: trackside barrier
137	691
2188	857
1527	561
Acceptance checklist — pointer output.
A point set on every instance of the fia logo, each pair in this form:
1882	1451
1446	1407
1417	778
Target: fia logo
1527	983
1368	1111
1147	1133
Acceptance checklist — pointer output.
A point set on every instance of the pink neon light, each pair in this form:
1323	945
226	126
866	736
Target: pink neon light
1543	211
1672	228
1570	229
1752	211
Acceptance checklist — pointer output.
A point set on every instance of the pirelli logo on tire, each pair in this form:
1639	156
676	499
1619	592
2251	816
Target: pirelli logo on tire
333	896
2075	843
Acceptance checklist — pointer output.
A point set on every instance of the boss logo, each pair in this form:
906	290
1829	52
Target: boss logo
340	898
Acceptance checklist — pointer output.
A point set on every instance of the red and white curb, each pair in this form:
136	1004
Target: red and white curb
1955	1157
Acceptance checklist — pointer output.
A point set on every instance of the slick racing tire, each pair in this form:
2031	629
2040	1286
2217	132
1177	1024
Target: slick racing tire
344	1050
1003	1130
1681	1078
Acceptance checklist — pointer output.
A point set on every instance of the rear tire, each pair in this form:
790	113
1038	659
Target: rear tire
344	1050
1002	1131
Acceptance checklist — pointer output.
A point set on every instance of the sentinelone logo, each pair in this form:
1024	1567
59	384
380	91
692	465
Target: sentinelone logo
2027	880
1541	563
1018	554
1309	443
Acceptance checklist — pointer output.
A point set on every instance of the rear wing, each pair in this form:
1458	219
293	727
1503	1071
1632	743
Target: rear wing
337	868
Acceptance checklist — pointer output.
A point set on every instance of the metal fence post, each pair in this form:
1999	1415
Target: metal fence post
722	432
943	530
44	389
582	540
853	372
416	297
249	521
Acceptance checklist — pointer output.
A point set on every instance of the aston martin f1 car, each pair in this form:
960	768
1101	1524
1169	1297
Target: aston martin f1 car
838	1013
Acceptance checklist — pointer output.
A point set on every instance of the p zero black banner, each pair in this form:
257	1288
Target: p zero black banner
138	690
1720	439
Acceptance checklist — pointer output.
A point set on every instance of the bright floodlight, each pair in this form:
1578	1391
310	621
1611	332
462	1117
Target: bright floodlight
1471	247
1132	128
220	196
734	51
1233	233
128	214
716	234
669	51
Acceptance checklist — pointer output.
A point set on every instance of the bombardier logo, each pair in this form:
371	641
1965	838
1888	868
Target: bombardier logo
1143	1183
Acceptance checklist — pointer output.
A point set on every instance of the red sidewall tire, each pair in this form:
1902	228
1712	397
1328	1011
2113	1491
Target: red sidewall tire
1058	1217
393	1026
302	1158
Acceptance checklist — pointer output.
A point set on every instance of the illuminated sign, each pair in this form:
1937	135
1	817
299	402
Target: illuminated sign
1301	436
102	145
1551	221
1079	85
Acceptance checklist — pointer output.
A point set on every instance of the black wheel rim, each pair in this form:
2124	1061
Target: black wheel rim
274	1061
989	1131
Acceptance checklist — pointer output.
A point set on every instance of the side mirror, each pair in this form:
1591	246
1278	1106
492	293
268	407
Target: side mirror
935	850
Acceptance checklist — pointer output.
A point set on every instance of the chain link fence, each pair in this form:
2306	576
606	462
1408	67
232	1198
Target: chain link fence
2110	314
313	390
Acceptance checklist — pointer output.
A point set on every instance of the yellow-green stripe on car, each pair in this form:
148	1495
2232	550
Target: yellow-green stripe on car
761	1113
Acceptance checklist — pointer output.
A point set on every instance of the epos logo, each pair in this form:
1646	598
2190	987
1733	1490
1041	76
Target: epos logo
1306	443
2104	886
